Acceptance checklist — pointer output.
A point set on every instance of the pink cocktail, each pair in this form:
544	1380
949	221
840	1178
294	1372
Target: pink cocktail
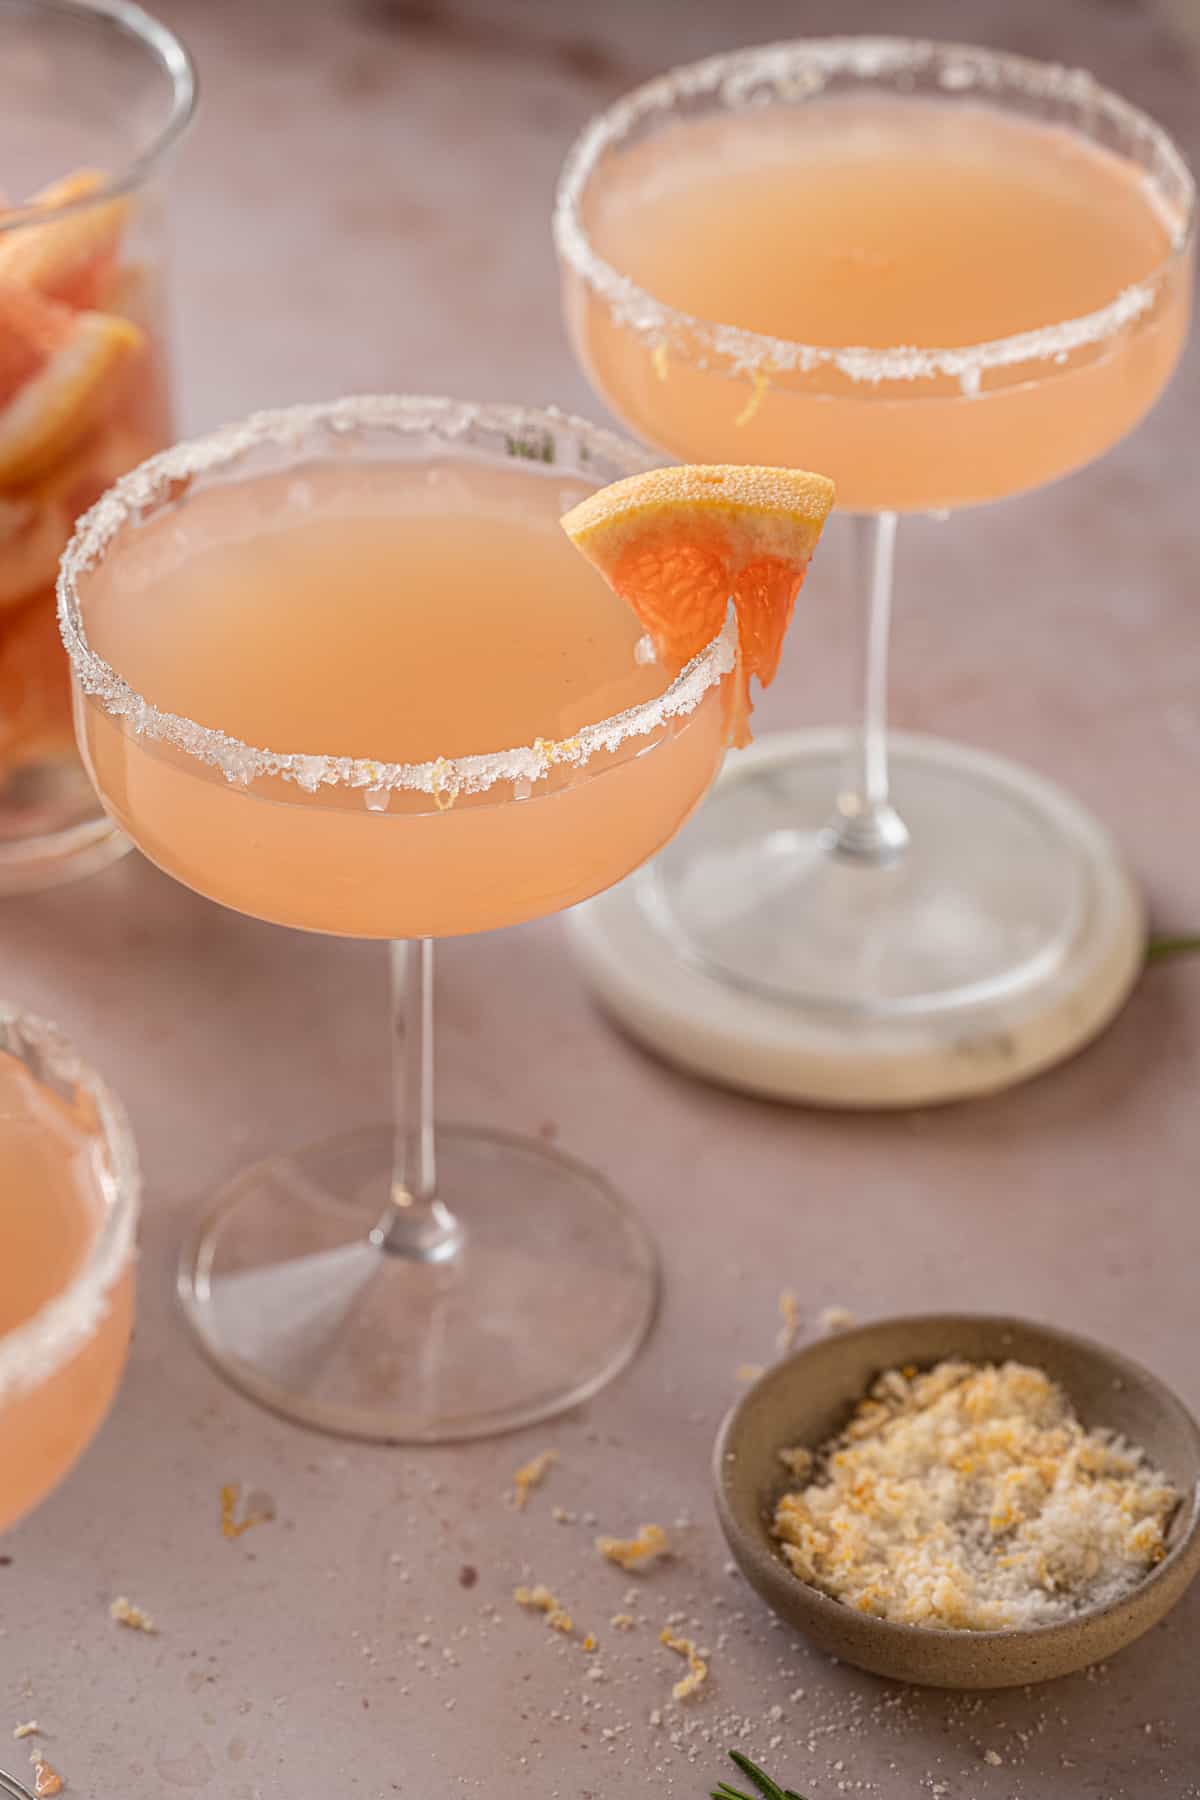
69	1190
341	669
944	275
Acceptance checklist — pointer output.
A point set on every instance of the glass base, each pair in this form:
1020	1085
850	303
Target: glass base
985	901
52	827
966	974
550	1298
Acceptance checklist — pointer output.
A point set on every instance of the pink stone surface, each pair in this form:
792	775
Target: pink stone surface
364	205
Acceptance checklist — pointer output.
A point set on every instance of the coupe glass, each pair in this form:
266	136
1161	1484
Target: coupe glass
66	1141
824	874
101	88
398	1283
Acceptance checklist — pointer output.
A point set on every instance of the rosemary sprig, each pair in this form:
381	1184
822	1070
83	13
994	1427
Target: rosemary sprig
1161	949
765	1788
533	448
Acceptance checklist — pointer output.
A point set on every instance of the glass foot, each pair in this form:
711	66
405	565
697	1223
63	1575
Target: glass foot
985	900
550	1298
52	827
1002	941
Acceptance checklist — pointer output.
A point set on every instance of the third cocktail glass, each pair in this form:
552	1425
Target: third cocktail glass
944	276
69	1193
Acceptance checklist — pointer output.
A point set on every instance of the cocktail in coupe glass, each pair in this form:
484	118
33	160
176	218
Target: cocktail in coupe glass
339	668
69	1191
93	95
942	275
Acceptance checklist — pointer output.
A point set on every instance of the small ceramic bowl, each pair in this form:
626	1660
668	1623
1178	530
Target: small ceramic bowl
808	1398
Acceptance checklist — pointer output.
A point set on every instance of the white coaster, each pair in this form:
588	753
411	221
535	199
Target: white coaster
635	962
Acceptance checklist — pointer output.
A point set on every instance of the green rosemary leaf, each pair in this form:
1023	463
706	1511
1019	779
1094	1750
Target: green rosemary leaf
770	1790
532	448
764	1787
1162	949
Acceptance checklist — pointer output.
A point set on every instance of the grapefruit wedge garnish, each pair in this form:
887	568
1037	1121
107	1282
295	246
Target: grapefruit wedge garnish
71	256
679	544
56	366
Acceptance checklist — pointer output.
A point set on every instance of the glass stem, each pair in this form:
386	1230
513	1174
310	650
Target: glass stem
416	1224
865	824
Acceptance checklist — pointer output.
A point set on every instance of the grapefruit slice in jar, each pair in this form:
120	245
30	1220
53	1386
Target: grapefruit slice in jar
56	371
37	518
71	255
33	530
680	544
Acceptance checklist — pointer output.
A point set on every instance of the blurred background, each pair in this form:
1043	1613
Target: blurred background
365	199
364	204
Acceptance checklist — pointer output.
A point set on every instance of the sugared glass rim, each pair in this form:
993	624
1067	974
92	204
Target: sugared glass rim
533	437
813	62
34	1350
175	62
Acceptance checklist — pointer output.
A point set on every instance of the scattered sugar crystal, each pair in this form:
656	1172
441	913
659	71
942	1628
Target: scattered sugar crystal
836	1318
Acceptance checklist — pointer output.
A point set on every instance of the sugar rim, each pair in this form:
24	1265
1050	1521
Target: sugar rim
174	59
453	421
36	1349
730	77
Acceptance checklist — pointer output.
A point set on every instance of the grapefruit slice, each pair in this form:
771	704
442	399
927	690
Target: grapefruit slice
55	369
37	518
72	255
32	534
679	544
35	690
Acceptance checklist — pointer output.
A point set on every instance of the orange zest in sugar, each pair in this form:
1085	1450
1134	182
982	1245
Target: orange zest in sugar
259	1511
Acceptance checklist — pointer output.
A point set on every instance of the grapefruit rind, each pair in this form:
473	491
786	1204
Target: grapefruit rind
59	364
70	256
780	511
